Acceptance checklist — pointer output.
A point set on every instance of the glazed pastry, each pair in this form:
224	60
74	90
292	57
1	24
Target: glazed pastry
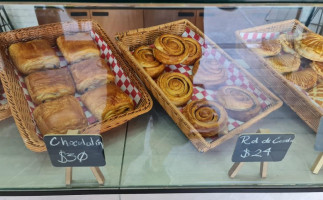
287	42
239	103
49	85
305	79
176	86
268	48
207	117
285	62
170	49
33	55
194	51
310	46
59	116
316	93
77	47
208	72
146	59
318	68
107	101
91	73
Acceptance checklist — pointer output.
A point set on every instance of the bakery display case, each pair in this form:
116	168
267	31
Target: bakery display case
160	97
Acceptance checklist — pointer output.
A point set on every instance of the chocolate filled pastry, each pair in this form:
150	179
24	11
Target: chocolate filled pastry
146	59
91	73
77	47
239	103
318	68
316	93
33	56
176	86
207	117
268	48
310	46
285	62
49	84
107	101
209	73
305	79
170	49
287	42
194	51
59	116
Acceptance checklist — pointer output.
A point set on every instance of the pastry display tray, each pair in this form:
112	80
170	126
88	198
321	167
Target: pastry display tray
4	106
296	98
237	76
18	96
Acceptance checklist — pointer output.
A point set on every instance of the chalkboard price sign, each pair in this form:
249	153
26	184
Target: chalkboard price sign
75	150
262	147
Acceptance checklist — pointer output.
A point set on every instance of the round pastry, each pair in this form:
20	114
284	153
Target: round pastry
194	51
305	79
318	67
208	72
268	48
239	103
176	86
316	93
170	49
310	46
287	42
285	63
146	59
208	117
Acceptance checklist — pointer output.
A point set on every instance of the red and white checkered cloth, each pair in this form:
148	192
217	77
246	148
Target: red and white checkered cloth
121	79
3	99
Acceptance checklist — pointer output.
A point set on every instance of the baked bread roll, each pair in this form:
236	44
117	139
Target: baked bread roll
285	62
239	103
318	68
33	55
59	116
310	46
49	85
194	51
209	73
268	48
170	49
316	93
176	86
91	73
77	47
146	59
287	42
305	79
107	101
207	117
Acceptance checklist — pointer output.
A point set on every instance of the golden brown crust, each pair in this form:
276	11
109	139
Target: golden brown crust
285	62
194	51
59	116
170	49
310	46
49	85
91	73
176	86
107	101
239	103
316	93
33	55
77	47
208	117
287	42
318	67
268	48
305	79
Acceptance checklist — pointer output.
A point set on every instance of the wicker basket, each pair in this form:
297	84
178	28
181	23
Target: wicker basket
4	109
291	95
15	95
130	40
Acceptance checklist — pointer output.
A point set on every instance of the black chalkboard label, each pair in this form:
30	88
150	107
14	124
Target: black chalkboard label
319	137
75	150
262	147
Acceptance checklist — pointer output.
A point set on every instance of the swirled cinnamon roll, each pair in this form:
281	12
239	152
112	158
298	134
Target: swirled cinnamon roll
170	49
239	103
145	57
209	118
194	51
176	86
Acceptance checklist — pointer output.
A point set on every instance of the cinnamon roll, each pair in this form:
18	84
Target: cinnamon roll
239	103
146	59
194	51
209	118
170	49
176	86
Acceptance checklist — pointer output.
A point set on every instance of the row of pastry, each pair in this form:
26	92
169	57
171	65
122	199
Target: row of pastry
208	117
52	89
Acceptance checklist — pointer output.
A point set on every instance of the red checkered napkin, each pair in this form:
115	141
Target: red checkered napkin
3	99
235	77
122	80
